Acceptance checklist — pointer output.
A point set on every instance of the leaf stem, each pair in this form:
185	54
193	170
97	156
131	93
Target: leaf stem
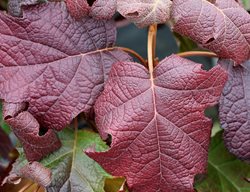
151	47
132	52
197	53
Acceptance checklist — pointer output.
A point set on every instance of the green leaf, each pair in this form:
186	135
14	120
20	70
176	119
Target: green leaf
225	172
246	4
185	44
114	184
5	127
72	170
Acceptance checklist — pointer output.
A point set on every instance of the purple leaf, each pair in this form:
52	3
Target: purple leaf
222	27
26	128
15	6
160	135
234	109
55	63
34	171
103	9
78	8
144	13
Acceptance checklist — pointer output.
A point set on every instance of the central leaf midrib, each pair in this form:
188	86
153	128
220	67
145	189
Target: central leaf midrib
64	57
74	147
155	116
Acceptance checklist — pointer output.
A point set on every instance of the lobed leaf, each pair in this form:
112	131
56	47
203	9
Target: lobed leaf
27	129
144	13
225	172
222	27
55	63
15	6
234	109
101	9
78	8
160	135
71	169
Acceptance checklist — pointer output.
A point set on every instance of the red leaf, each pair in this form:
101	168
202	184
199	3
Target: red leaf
78	8
33	170
26	128
144	13
103	9
160	135
15	6
234	109
223	27
56	64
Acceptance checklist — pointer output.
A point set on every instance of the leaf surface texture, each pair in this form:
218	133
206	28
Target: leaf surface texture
222	27
235	109
145	12
160	135
55	63
71	169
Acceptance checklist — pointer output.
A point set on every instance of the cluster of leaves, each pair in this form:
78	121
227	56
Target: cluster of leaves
59	60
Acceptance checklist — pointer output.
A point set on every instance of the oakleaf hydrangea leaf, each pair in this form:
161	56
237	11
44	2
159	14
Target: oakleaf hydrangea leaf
101	9
222	27
235	109
144	13
15	6
225	172
160	135
37	172
55	63
27	129
78	8
71	169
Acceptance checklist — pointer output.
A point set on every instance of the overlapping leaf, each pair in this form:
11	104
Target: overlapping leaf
160	135
101	9
56	64
71	169
144	13
222	27
15	6
27	129
235	109
225	172
78	8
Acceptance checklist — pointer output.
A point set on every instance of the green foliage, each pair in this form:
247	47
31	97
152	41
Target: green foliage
71	169
246	4
5	127
225	172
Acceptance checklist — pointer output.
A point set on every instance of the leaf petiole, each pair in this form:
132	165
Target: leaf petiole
197	53
151	47
132	52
